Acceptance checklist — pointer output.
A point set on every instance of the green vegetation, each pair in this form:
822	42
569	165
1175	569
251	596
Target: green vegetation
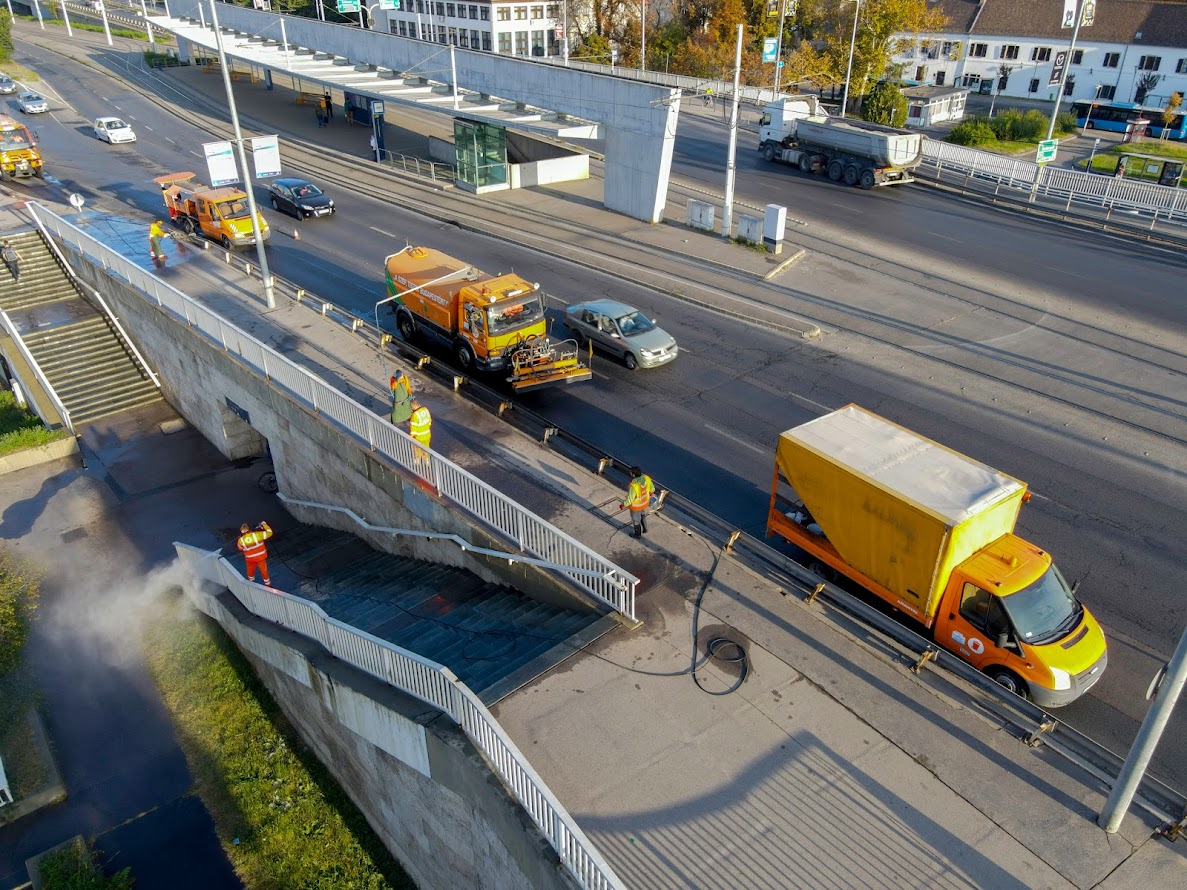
19	591
1010	132
5	39
282	818
76	25
160	60
21	429
885	104
77	868
1106	161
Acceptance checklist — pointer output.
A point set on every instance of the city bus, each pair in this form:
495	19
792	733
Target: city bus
1104	115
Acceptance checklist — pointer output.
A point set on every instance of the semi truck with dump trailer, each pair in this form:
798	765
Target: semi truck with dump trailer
931	532
220	214
19	157
491	323
798	131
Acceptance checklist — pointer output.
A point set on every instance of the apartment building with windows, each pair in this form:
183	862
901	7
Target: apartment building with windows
509	29
1128	39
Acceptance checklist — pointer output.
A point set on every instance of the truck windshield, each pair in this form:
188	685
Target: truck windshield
14	140
1045	610
236	209
513	316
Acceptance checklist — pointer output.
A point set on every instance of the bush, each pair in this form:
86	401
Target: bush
77	868
885	104
974	131
19	590
21	429
1065	123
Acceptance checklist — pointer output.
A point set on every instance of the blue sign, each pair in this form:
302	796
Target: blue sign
770	48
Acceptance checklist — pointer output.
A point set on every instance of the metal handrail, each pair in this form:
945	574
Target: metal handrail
389	158
102	303
428	681
14	335
609	583
462	543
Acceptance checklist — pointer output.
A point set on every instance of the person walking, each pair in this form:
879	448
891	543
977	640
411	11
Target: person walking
374	149
255	554
420	428
638	499
12	259
328	104
320	112
348	106
401	398
155	233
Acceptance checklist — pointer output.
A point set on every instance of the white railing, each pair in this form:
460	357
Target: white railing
427	681
14	335
435	170
598	576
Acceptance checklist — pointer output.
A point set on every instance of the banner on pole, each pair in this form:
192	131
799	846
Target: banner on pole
1069	14
265	152
1089	14
770	48
1058	68
220	162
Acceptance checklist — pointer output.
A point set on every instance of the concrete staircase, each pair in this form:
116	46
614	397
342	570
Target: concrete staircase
494	638
85	360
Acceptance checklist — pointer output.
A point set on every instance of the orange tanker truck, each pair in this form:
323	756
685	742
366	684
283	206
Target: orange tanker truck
492	323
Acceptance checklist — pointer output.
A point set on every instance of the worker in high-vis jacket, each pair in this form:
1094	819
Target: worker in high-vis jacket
638	499
420	428
155	233
255	554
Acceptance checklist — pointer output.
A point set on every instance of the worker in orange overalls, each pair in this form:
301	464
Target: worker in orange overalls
420	428
251	545
638	499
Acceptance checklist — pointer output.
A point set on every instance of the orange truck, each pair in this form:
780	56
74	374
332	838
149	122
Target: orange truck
19	156
220	214
931	532
492	323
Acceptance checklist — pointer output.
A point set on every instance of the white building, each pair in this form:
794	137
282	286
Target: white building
519	29
1128	39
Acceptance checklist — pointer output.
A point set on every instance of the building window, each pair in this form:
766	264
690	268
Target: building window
505	43
463	38
1078	57
554	10
484	13
537	43
442	34
1108	91
474	12
475	40
486	40
1010	51
1040	54
521	13
503	14
1034	85
978	50
1181	67
461	10
440	8
449	10
1150	63
420	5
1112	60
537	12
397	27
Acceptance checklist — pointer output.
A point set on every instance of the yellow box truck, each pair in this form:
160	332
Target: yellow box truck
931	532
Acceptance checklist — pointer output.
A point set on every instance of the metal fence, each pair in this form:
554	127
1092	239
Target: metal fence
600	577
427	681
434	170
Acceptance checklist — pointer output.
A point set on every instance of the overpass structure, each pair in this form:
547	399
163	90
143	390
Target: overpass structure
637	120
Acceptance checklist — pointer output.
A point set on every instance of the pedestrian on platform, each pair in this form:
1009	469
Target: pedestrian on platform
348	105
12	259
255	554
328	104
374	149
420	428
401	398
321	115
638	499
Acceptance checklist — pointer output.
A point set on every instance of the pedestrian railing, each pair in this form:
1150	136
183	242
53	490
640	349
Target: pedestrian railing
434	170
583	567
14	335
432	683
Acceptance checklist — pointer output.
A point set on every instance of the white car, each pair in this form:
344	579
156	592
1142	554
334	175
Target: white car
31	103
113	130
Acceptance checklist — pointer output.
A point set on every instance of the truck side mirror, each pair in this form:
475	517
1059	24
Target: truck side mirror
1002	639
1075	586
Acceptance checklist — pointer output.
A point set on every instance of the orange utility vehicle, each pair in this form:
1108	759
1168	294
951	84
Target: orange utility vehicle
931	532
19	156
220	214
492	323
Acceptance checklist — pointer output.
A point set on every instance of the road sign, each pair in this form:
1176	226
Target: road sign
389	4
559	31
1046	152
1058	68
770	46
348	5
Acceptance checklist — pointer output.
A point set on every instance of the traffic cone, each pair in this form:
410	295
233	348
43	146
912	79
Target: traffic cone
296	235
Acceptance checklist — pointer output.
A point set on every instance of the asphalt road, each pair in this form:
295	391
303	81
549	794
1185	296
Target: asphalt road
1056	355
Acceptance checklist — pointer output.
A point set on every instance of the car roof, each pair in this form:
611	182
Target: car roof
105	120
606	307
290	181
29	94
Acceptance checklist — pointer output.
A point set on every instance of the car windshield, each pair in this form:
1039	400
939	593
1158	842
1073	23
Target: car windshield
115	125
32	97
635	323
307	191
512	316
1045	610
236	209
11	140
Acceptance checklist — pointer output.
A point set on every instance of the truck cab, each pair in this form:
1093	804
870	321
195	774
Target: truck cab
220	214
1008	611
19	156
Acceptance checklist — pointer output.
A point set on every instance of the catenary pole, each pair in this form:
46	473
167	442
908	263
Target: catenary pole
727	210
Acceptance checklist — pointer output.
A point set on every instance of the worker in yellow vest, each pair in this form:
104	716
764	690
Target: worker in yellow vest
420	427
155	233
255	554
638	499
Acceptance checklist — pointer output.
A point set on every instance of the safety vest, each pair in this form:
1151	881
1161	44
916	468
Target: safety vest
637	497
155	231
647	484
420	426
252	543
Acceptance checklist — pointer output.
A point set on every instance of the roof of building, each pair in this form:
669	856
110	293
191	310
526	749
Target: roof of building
1117	21
928	93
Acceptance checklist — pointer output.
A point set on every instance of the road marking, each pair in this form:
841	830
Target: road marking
734	438
807	401
945	237
382	232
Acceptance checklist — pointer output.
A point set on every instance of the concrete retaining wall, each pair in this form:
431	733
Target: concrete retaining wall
423	787
41	454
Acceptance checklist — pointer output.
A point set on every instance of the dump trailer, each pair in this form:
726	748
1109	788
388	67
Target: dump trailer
931	532
799	132
220	214
492	323
19	157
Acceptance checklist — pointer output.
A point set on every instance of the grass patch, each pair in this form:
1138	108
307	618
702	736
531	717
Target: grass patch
76	25
280	815
1105	162
21	428
23	766
76	867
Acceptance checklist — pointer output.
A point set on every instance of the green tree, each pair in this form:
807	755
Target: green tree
885	104
5	38
1172	108
19	591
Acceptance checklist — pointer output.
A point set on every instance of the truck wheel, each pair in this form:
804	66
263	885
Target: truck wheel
406	326
868	180
187	226
1009	680
225	242
805	163
851	175
768	152
835	171
822	571
465	355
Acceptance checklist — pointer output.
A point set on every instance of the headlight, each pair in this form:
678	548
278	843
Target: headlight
1063	680
306	206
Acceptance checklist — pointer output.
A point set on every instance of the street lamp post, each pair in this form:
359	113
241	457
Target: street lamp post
643	36
779	49
727	210
849	69
269	295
